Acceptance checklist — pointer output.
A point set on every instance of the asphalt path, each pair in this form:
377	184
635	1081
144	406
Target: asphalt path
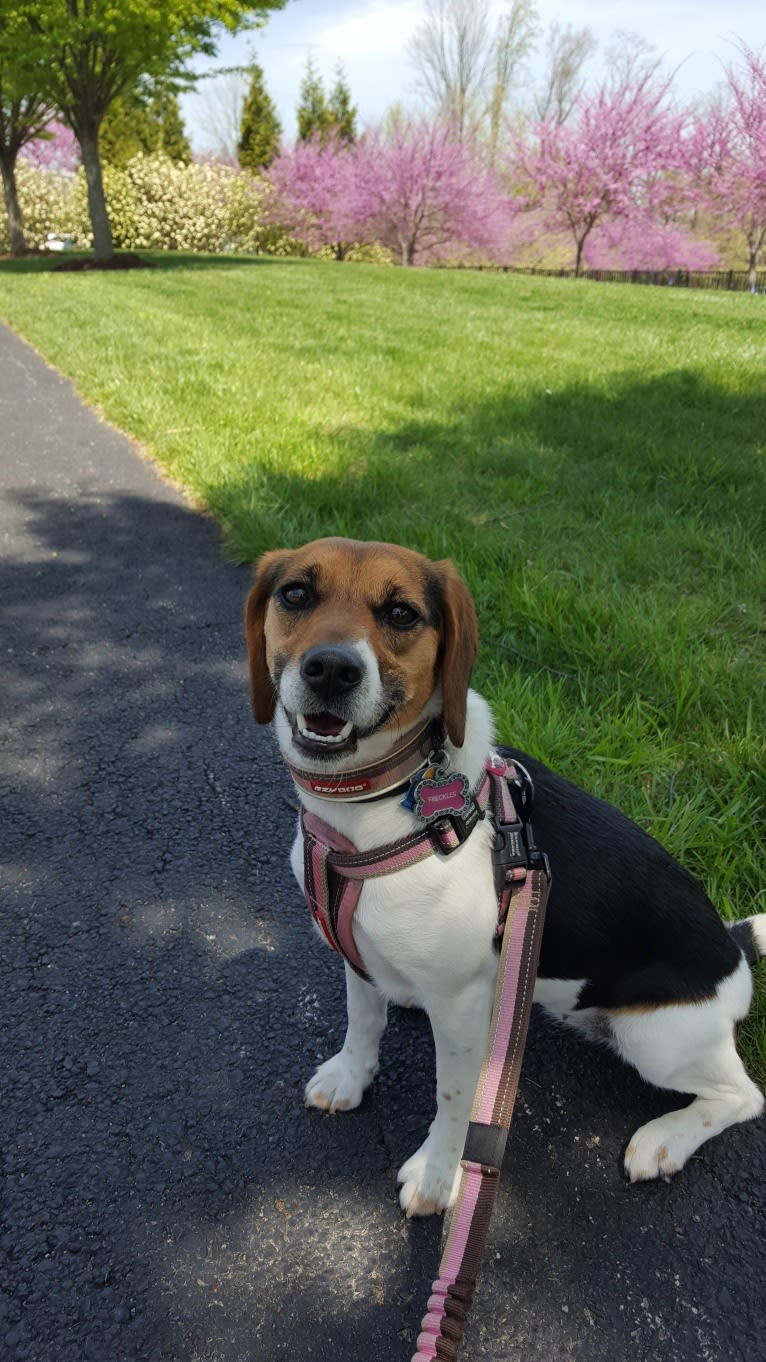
165	1195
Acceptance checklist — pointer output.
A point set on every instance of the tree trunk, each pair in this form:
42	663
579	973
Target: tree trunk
103	248
11	196
754	250
578	260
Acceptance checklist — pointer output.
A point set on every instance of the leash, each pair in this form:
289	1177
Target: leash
334	873
491	1115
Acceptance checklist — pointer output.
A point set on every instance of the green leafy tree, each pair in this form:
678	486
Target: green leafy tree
147	119
23	117
314	116
341	109
260	130
78	56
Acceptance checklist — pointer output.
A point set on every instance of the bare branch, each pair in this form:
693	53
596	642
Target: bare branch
569	48
451	52
516	37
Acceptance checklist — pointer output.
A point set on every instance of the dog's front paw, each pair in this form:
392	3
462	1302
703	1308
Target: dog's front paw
430	1181
658	1149
338	1084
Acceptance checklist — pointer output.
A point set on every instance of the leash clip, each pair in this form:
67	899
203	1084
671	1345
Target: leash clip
513	847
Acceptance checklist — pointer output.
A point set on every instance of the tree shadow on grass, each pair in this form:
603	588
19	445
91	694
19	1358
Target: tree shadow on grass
655	447
566	509
158	260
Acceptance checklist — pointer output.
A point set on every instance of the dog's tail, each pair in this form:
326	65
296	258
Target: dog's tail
750	936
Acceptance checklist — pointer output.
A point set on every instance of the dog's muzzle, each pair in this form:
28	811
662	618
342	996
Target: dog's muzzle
331	671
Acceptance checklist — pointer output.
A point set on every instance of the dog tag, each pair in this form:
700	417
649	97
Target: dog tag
437	794
425	773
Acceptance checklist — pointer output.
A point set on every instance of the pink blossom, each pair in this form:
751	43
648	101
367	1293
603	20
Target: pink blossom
613	160
317	195
412	187
429	197
640	243
725	156
55	149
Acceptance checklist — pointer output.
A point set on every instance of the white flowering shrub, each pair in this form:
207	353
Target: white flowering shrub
361	253
155	203
50	201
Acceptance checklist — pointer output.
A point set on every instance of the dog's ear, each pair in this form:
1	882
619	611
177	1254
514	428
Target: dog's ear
262	692
460	642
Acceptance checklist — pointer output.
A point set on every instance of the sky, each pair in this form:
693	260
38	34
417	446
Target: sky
369	38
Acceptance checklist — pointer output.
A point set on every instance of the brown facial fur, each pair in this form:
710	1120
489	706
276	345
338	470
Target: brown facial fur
351	579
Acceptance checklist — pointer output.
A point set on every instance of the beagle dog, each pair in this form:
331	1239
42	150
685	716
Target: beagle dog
353	648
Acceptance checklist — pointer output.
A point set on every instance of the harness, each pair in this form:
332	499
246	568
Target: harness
334	875
334	871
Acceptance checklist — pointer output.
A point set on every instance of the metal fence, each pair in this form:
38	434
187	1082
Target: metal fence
735	281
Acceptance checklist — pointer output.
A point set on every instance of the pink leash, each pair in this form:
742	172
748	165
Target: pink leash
452	1292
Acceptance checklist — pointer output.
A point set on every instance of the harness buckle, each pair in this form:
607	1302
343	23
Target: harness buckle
451	830
509	853
514	845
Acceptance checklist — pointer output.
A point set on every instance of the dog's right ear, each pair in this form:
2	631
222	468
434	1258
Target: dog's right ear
262	692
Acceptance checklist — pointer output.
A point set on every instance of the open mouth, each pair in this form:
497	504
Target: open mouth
324	730
324	734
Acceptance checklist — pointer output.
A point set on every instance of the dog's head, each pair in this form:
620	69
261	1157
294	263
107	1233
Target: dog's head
353	639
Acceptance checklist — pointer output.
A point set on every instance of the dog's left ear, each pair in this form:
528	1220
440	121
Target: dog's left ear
262	692
460	642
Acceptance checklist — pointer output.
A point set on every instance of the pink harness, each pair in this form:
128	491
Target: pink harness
334	871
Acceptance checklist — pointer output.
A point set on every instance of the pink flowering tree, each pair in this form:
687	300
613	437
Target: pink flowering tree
412	187
54	149
316	194
725	156
641	242
427	196
613	160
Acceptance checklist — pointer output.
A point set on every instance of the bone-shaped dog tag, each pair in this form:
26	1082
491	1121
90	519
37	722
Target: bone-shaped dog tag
435	795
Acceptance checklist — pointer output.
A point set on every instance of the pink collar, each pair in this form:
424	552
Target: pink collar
379	777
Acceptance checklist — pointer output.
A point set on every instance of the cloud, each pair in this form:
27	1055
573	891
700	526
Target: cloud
382	30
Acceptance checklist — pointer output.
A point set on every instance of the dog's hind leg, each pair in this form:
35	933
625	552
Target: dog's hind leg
687	1047
339	1083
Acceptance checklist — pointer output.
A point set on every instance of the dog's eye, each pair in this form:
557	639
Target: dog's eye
399	615
296	596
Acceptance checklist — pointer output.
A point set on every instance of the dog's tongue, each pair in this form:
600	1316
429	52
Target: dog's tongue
326	725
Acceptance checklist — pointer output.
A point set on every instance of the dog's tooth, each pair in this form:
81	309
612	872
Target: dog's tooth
328	738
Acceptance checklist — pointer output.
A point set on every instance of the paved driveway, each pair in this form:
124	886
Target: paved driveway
164	1193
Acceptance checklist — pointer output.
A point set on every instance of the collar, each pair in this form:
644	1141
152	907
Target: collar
380	777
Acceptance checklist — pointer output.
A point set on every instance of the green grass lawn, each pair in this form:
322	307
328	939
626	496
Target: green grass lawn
591	455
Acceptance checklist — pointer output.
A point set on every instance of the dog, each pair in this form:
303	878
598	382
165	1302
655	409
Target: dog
355	647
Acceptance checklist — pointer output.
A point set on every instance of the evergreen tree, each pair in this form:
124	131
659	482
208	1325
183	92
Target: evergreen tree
145	119
165	113
314	114
260	130
342	111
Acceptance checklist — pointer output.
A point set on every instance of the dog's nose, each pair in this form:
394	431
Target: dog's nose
331	670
